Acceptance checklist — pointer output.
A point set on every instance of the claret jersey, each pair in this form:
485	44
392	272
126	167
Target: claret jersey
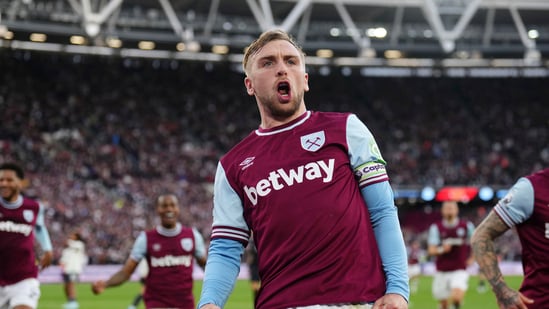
297	186
526	207
17	257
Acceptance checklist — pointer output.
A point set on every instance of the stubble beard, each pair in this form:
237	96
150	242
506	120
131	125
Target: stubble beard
282	111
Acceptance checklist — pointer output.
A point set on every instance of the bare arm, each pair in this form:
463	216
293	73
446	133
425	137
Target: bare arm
201	262
118	278
482	244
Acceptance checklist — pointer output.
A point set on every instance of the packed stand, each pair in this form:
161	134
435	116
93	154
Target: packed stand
101	137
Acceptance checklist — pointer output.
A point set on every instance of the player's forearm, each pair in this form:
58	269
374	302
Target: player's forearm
222	268
117	279
392	250
482	245
484	253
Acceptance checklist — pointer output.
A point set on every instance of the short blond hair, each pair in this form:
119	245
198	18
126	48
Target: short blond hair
267	37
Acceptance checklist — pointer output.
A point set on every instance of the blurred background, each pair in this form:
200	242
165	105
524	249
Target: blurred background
106	104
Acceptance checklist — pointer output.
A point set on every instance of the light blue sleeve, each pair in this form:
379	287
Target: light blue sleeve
470	229
41	233
228	211
139	249
433	238
383	213
222	268
518	205
199	247
369	167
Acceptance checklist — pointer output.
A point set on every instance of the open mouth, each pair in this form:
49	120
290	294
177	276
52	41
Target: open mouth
284	90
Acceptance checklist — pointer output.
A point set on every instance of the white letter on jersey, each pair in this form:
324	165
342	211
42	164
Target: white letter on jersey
311	171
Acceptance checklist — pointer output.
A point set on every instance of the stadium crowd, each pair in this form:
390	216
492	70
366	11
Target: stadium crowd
101	137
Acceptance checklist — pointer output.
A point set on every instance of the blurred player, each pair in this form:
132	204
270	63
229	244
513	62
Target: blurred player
313	189
416	257
72	262
21	222
526	208
449	243
253	265
170	250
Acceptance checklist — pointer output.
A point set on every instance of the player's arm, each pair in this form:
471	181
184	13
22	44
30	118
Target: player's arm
138	252
369	166
384	217
200	248
116	279
513	209
222	270
229	236
470	231
434	244
484	251
42	235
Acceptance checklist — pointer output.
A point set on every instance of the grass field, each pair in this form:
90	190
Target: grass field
120	297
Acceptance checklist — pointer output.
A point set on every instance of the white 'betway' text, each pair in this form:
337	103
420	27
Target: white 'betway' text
280	178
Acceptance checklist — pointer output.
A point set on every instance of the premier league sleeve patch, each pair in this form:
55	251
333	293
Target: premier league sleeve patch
370	172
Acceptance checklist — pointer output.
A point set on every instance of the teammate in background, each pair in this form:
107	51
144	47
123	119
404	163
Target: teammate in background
21	222
416	258
143	272
449	242
313	189
525	207
170	250
72	262
253	265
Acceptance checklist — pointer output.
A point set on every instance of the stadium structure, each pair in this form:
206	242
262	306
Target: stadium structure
507	37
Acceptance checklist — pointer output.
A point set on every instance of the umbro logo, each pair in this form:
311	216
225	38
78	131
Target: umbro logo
249	161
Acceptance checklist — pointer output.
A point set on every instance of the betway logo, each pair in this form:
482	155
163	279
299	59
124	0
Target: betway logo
280	178
12	227
170	260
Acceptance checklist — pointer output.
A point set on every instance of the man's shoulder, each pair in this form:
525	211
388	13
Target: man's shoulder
330	115
30	202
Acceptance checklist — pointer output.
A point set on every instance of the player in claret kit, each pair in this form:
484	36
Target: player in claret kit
526	208
170	250
449	242
313	189
21	222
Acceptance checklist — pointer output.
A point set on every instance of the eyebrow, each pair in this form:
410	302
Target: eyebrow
273	57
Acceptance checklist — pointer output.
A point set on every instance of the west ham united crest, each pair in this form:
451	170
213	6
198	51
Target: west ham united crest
28	215
312	142
187	244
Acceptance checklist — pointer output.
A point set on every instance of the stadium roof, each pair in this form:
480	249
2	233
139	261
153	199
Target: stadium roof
356	30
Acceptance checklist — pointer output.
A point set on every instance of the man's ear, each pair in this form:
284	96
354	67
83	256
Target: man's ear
249	87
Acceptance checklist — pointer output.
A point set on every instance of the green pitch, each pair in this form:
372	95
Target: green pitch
120	297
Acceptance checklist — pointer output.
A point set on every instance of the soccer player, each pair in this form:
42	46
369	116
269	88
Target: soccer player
170	250
416	257
313	189
72	262
525	207
21	222
449	242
